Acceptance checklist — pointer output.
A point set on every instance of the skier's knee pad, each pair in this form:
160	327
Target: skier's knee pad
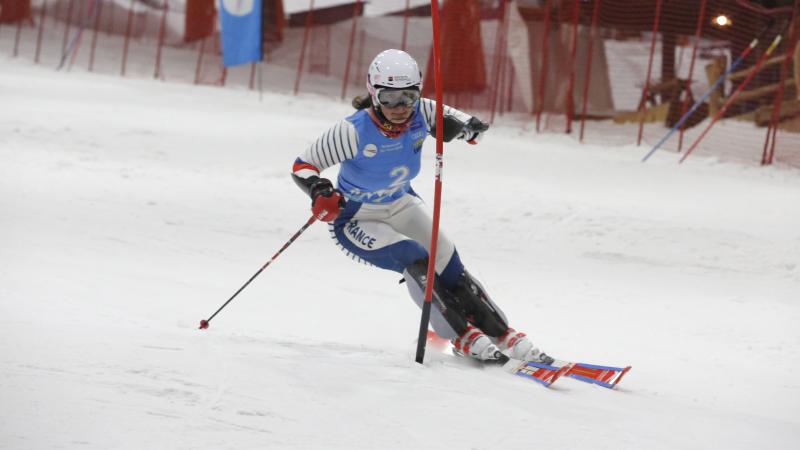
479	307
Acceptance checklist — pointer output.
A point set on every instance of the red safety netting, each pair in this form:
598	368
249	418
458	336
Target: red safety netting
605	71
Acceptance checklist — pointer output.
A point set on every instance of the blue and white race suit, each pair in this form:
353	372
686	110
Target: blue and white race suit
384	223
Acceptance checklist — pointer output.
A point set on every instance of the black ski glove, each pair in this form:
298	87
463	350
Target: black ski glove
474	129
453	128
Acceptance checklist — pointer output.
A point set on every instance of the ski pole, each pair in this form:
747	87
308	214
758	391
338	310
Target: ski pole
204	323
733	96
708	93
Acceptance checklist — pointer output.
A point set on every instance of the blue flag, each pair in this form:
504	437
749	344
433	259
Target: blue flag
240	21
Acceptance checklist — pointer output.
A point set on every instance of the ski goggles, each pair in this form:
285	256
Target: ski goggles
392	98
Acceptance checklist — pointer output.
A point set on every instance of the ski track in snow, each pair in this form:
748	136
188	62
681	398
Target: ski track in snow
132	209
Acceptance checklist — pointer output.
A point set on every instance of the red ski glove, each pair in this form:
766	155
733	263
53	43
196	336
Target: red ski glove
327	202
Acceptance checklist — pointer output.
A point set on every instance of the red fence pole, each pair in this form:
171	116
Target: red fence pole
309	17
504	60
218	51
94	34
498	60
643	101
56	14
587	76
495	68
110	20
199	64
543	68
41	30
67	24
356	12
127	39
510	88
700	21
573	65
499	94
405	26
361	39
772	130
161	32
16	38
252	83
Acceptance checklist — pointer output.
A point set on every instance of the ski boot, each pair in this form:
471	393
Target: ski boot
476	345
518	346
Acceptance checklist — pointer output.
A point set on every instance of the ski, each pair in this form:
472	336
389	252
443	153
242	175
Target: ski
543	374
605	376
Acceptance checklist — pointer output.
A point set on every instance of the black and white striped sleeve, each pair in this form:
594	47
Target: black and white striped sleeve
337	144
428	107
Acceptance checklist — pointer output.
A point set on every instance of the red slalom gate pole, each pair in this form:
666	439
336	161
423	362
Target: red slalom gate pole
205	322
733	96
437	197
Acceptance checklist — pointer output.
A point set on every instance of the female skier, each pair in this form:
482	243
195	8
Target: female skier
377	218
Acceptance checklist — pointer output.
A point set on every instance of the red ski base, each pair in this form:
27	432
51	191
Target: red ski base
541	373
605	376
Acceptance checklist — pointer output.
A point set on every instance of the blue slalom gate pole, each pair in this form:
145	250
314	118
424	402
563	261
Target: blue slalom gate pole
702	99
76	38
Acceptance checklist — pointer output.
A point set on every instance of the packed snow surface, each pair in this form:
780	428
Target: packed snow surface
132	209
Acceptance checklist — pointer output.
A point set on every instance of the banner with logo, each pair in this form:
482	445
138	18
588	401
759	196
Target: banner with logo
240	21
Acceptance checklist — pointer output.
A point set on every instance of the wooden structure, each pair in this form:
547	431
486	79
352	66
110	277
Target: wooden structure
662	103
659	101
762	96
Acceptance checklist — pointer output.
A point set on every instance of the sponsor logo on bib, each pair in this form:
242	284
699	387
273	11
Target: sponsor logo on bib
370	150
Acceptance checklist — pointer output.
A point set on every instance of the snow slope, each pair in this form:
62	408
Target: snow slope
132	209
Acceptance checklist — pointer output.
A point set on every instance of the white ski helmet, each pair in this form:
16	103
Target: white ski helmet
393	69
